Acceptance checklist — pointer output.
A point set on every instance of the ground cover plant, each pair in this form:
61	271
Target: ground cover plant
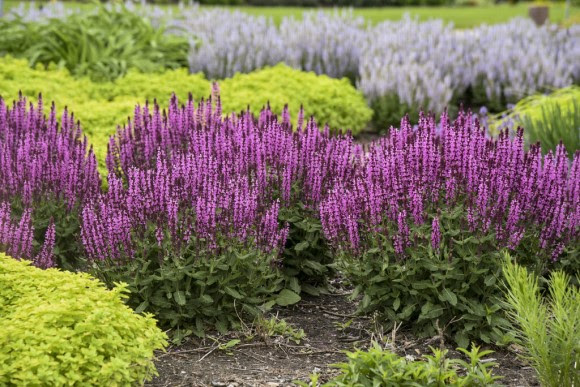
381	367
421	229
47	172
547	327
340	105
61	328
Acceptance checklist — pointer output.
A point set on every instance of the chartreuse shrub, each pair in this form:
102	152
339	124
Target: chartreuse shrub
333	102
547	326
102	44
420	230
102	106
47	172
380	367
548	119
60	328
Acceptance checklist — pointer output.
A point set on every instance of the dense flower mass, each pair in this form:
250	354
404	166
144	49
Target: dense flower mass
503	189
195	174
40	163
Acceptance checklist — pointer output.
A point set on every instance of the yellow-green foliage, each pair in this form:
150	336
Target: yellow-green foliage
531	106
331	101
60	328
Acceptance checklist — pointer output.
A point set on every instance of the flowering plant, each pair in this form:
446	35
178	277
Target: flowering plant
294	169
421	228
46	173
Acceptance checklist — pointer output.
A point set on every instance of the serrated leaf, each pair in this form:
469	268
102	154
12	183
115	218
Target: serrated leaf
287	297
294	285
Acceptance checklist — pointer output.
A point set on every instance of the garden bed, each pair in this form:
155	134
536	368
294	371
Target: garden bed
269	361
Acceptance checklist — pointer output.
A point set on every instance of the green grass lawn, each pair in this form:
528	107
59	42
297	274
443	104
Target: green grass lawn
461	17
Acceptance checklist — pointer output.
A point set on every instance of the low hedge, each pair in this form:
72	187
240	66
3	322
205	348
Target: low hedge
102	106
331	101
61	328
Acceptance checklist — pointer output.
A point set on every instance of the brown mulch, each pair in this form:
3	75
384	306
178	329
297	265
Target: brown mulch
277	361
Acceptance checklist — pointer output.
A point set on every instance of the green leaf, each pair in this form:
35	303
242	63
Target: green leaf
142	307
287	297
179	297
301	246
396	304
449	296
462	339
230	344
234	293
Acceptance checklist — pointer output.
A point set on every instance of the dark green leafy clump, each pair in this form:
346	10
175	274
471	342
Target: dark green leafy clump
453	290
306	258
194	294
102	45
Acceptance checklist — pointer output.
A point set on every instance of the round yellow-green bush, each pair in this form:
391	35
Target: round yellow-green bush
61	328
329	100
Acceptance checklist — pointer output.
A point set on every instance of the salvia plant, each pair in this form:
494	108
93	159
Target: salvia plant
46	172
420	228
295	169
204	210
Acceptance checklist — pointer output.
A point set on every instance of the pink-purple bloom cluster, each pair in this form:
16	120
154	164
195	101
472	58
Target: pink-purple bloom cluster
40	162
17	238
195	174
413	172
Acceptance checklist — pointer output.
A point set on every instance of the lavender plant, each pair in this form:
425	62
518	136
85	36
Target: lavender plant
486	65
421	228
46	173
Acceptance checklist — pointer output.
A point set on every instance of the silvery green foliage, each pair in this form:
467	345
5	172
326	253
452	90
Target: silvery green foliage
428	63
